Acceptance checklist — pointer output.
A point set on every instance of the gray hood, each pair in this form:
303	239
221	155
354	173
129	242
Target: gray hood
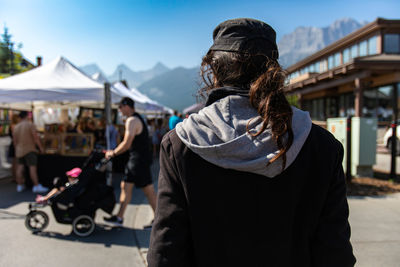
218	135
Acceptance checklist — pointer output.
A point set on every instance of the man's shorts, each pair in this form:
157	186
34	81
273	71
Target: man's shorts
138	174
29	159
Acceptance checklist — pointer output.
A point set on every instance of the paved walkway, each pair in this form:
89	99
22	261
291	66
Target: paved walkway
375	226
383	163
57	246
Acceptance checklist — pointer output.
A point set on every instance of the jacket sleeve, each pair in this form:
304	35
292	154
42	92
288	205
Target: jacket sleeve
170	238
331	245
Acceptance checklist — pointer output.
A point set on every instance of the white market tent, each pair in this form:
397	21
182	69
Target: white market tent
193	108
149	101
99	77
143	102
58	80
60	83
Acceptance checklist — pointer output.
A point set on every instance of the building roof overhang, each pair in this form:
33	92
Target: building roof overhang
349	39
361	68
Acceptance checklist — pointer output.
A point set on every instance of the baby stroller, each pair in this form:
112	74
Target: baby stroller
78	202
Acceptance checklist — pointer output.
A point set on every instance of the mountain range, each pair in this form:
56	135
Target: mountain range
123	72
176	88
305	41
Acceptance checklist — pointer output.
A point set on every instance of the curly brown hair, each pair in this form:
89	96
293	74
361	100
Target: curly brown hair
264	78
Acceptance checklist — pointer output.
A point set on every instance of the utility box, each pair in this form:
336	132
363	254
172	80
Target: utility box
337	127
363	145
363	142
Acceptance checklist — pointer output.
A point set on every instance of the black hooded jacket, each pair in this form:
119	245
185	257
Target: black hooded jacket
208	215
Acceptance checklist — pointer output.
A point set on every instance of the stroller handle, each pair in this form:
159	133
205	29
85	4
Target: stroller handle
103	162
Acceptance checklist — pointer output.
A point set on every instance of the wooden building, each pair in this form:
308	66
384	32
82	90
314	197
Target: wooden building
357	75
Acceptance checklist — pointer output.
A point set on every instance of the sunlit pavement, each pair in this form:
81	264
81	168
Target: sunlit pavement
375	234
58	246
375	229
383	163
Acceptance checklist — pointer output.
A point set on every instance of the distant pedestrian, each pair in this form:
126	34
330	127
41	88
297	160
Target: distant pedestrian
137	170
113	135
11	149
249	180
157	136
25	141
174	120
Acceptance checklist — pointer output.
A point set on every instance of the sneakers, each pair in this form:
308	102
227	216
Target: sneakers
20	188
39	189
148	226
114	220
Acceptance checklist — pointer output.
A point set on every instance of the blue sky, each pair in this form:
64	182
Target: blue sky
142	33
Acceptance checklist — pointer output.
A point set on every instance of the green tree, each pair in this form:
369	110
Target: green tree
5	51
11	61
293	100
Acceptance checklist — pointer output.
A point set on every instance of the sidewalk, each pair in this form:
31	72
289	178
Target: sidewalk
375	223
383	163
375	226
57	246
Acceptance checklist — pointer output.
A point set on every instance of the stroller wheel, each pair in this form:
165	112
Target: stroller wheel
36	221
83	225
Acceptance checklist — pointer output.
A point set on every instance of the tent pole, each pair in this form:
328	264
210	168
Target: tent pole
107	111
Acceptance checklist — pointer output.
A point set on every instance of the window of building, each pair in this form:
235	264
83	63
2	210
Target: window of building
372	46
346	55
354	51
346	105
321	108
337	59
293	75
392	43
331	62
316	67
323	66
331	108
362	49
317	109
378	103
312	68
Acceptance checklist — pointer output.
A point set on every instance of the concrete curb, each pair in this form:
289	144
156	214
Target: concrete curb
388	196
144	215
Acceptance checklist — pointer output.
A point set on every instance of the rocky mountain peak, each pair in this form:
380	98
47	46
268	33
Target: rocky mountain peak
305	41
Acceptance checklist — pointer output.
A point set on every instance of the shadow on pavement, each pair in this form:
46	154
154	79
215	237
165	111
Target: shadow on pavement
4	215
103	234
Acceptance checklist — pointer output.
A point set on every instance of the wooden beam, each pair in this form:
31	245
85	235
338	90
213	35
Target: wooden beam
358	100
333	83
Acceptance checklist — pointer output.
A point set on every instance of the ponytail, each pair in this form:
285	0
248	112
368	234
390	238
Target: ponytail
267	96
264	78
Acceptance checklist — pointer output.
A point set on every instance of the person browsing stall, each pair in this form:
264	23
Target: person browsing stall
26	140
137	170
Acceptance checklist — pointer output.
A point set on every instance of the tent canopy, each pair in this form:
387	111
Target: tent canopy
99	77
193	108
142	102
58	80
61	83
